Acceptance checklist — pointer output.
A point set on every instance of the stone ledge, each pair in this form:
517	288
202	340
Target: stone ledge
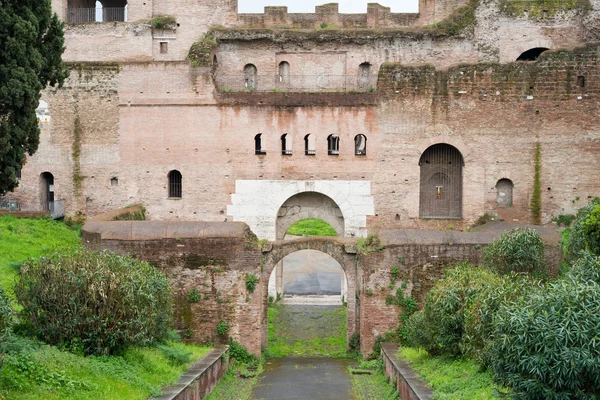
409	386
202	370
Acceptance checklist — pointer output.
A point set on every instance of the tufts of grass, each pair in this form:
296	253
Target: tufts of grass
21	239
237	384
311	227
373	386
450	378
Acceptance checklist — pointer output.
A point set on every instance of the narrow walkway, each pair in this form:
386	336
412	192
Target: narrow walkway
294	378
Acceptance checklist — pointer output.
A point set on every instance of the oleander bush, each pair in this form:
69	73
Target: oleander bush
94	302
586	268
547	346
6	317
519	250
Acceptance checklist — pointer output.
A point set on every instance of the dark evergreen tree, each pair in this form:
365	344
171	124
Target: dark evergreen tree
31	45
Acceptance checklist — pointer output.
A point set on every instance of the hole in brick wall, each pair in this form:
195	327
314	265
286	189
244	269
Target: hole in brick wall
114	181
397	217
549	189
164	47
532	54
581	81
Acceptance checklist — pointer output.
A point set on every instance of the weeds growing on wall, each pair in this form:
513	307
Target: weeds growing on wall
251	282
370	244
201	51
536	196
540	9
164	22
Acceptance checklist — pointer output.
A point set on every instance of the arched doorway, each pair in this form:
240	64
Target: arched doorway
309	205
319	270
440	194
46	190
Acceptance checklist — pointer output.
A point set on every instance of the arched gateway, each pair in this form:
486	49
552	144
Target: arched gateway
343	251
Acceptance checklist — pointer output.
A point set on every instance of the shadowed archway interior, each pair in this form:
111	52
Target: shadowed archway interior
309	205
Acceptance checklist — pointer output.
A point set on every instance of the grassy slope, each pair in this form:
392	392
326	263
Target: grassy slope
449	378
333	346
311	227
33	370
21	239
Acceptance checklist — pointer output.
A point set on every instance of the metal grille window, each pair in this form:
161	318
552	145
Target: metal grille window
333	145
360	145
175	186
310	148
286	145
441	183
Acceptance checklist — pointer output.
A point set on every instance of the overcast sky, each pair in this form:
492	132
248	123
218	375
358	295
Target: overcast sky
346	6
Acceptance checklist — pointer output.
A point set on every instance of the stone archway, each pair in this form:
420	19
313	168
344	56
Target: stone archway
309	205
342	251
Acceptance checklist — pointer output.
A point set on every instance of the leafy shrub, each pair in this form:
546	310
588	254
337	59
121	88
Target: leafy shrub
369	244
587	268
590	228
546	346
222	328
518	250
482	309
241	354
176	355
354	342
564	219
5	314
251	282
439	327
194	296
164	22
99	303
578	241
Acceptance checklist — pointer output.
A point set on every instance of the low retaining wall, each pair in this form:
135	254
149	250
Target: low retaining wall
409	386
201	378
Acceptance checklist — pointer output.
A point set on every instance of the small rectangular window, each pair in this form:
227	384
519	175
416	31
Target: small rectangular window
581	81
164	47
19	173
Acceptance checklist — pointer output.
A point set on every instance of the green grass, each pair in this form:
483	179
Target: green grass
21	239
311	227
373	386
39	371
451	379
33	370
280	345
234	386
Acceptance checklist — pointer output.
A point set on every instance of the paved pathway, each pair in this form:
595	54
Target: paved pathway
293	378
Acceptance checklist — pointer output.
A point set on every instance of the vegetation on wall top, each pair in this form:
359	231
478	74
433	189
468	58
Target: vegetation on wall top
164	22
540	9
201	51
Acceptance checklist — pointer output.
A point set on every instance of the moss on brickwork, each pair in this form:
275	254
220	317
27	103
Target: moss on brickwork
201	51
76	154
541	9
461	19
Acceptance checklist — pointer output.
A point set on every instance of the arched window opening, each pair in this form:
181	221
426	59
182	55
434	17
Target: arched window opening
47	191
284	73
286	145
360	145
310	148
333	145
441	182
215	62
532	54
365	76
504	193
250	77
175	184
259	146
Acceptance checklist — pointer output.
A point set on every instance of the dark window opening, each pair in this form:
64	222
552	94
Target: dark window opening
504	193
259	147
581	81
532	54
286	145
333	145
47	191
215	62
114	181
164	47
18	173
360	145
175	184
250	77
310	148
440	194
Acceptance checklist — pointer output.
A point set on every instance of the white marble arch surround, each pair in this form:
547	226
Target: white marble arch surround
257	203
